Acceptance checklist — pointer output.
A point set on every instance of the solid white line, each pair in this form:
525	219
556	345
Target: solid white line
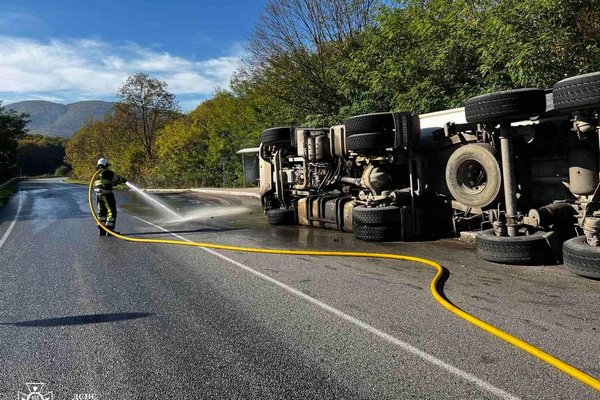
467	376
12	224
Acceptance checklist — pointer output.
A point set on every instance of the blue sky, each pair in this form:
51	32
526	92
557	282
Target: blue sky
68	51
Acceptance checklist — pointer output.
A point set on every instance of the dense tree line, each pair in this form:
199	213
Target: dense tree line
315	62
12	129
25	154
42	155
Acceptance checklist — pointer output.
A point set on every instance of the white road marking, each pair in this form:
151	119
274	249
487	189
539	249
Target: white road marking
467	376
12	224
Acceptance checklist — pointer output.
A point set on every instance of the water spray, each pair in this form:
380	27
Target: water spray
153	200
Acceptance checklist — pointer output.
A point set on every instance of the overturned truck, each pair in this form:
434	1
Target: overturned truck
520	166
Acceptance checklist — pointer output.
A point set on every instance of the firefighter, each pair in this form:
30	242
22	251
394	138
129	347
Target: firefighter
103	186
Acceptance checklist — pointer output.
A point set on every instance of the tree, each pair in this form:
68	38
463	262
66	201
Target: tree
146	105
41	154
108	138
420	57
295	53
429	55
84	148
316	62
12	128
537	42
191	150
180	150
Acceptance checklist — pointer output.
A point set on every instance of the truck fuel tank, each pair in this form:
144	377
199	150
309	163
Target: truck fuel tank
330	212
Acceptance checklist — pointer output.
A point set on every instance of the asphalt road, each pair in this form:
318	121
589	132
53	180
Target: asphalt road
120	320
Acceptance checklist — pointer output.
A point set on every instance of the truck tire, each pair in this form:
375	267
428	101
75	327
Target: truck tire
508	106
362	142
531	249
389	215
377	122
371	233
277	135
473	175
580	258
578	92
281	216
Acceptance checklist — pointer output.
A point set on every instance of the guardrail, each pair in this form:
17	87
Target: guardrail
8	182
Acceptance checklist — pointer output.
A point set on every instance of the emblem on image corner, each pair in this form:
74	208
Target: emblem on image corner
35	393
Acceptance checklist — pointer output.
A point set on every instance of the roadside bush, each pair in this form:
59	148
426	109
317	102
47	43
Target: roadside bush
63	170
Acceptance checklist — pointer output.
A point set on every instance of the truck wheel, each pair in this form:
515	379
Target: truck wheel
371	233
531	249
512	105
577	92
389	215
377	122
361	142
281	216
277	135
582	259
473	175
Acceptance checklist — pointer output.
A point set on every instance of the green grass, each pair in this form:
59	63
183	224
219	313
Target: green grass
6	192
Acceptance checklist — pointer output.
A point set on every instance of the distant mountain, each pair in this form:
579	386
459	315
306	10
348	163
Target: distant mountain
56	119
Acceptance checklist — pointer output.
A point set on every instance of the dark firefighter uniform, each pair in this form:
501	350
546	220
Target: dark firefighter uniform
107	206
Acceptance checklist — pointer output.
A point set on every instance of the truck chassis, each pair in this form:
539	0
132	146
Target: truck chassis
521	166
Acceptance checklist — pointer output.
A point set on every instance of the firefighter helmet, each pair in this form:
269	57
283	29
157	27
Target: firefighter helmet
102	163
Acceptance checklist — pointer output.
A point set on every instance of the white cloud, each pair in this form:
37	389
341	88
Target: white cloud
71	70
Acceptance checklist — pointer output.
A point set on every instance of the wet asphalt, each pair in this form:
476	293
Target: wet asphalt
120	320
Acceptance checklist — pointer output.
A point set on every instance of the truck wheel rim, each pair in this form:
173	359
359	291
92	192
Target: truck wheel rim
471	177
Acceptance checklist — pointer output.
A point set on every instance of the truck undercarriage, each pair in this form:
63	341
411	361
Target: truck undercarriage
520	166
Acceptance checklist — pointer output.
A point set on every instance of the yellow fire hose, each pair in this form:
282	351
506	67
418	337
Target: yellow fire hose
534	351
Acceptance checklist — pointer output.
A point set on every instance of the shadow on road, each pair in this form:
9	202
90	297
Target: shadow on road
78	320
441	283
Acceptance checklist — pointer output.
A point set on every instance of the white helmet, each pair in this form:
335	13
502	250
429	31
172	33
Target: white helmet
102	163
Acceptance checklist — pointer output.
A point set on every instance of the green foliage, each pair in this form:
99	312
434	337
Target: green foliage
40	154
537	43
192	150
12	128
317	62
128	135
85	147
107	138
63	170
429	55
179	149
